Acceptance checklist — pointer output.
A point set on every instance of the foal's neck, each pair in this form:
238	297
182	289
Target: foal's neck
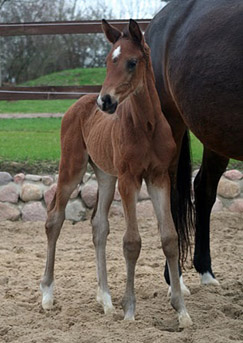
146	108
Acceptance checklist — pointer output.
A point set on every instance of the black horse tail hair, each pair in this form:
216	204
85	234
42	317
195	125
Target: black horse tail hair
181	201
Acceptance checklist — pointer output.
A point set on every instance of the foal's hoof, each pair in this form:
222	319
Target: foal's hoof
129	316
47	304
47	297
184	320
129	305
104	299
208	279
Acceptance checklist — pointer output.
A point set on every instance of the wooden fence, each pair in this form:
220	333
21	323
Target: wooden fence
54	28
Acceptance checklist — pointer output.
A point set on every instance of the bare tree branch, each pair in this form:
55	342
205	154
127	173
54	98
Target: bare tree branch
3	2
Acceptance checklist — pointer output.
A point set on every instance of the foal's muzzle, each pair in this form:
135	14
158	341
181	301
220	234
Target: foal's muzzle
107	104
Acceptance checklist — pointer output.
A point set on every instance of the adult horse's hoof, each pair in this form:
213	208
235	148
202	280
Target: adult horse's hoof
208	279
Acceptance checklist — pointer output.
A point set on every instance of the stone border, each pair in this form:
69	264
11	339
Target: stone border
26	197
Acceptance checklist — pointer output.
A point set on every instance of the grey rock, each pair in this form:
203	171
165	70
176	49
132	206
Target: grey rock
5	178
9	212
30	192
34	211
233	174
228	189
47	180
32	177
237	206
75	211
19	178
9	193
218	206
89	193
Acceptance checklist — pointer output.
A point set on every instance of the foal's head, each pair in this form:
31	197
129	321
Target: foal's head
126	64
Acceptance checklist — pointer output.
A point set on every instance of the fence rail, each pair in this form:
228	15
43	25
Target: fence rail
64	27
46	92
54	28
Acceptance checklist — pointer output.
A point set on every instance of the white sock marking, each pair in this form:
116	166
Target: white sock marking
47	296
185	291
184	320
207	279
116	52
104	299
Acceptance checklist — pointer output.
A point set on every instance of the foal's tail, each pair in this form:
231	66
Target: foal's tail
182	206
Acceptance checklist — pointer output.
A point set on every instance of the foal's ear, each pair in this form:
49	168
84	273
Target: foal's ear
135	32
112	34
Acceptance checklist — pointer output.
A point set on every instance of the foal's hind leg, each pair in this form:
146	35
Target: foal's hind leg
100	227
72	168
205	186
160	196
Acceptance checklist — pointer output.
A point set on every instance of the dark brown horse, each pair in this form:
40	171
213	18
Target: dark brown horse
125	136
197	56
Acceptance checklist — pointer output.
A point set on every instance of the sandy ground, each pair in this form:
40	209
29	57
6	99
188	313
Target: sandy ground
217	312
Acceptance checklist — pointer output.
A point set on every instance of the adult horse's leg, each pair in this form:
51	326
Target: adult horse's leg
205	186
160	196
129	190
72	168
100	225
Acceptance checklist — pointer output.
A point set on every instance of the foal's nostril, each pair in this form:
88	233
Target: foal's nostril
107	103
106	100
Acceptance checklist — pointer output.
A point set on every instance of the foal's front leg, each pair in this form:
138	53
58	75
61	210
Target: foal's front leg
160	196
131	242
100	226
73	165
54	222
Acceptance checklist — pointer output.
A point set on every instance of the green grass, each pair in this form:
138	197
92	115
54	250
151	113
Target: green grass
72	77
35	106
30	140
196	150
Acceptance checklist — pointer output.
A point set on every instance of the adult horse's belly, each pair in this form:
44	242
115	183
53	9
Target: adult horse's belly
215	118
220	132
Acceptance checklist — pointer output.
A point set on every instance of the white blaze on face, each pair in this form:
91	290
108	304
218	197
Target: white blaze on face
99	101
116	52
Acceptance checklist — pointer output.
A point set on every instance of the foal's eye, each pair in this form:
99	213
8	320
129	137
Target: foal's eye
131	65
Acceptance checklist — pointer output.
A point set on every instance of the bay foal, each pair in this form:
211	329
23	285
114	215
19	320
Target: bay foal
124	135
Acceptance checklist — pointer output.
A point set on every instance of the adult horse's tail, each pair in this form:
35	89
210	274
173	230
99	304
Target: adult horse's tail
181	198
